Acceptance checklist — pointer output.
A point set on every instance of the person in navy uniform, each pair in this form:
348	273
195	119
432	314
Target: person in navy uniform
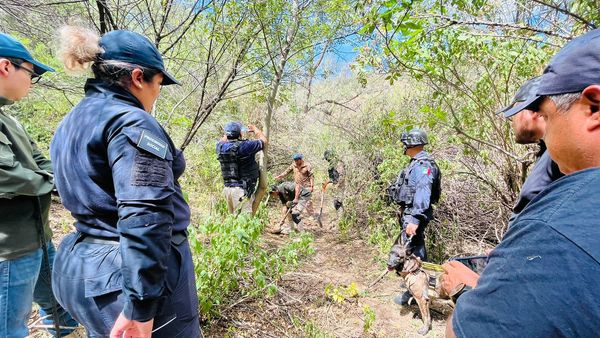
529	128
127	270
542	279
238	165
417	188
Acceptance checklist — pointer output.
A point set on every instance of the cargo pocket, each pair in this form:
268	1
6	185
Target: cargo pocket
7	157
106	292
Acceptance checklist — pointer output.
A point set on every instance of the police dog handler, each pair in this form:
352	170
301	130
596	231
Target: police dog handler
127	270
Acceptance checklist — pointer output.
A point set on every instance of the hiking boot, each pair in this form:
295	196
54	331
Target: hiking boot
403	299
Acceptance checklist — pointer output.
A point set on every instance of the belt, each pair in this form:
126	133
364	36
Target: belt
177	238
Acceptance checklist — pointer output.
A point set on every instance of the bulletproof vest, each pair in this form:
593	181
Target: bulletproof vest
236	168
436	186
334	175
403	191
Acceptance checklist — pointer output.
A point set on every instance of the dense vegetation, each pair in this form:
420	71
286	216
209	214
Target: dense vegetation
325	74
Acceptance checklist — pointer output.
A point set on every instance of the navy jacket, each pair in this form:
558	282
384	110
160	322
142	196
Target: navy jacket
418	178
116	170
542	279
544	172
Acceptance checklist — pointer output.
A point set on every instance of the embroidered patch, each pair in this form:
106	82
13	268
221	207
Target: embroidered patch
427	171
152	144
149	171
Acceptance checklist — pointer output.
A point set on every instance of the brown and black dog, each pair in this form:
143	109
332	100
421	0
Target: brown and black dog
408	266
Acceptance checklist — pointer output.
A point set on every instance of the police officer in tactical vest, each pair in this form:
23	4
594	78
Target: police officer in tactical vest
416	189
238	165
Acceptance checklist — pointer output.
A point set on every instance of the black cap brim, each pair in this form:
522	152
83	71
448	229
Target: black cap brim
169	79
40	68
531	102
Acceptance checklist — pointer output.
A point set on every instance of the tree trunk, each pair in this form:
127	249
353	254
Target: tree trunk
279	72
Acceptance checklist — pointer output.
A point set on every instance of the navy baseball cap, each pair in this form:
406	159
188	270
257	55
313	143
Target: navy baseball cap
12	48
233	129
131	47
297	156
572	69
527	90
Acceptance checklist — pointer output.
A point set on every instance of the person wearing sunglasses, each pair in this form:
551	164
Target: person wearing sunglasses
26	249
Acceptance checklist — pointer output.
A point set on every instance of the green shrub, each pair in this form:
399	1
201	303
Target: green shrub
232	264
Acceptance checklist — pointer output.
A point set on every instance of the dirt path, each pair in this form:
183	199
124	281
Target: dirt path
302	307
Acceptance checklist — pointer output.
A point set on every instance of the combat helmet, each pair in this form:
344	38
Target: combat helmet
415	137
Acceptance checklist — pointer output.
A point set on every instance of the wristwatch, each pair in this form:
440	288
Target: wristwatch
458	291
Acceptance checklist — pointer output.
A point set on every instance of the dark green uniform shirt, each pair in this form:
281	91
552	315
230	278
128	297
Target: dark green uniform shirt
25	185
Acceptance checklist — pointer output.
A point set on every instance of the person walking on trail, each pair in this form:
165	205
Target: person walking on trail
127	270
26	180
416	189
336	172
529	127
294	196
240	171
303	176
542	279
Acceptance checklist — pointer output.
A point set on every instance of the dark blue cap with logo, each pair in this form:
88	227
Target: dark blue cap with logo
527	90
131	47
12	48
233	129
572	69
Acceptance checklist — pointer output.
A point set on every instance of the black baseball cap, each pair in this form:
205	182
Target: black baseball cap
572	69
12	48
527	90
131	47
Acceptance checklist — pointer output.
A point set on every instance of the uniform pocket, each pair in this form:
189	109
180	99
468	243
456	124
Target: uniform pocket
7	157
104	284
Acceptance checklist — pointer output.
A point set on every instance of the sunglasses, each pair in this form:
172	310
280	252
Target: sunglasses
35	78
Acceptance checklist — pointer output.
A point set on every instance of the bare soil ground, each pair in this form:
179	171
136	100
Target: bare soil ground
301	307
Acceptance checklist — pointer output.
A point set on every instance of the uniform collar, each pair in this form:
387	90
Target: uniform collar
99	88
421	155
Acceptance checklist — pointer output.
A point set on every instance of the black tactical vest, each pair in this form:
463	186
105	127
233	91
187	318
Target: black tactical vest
236	168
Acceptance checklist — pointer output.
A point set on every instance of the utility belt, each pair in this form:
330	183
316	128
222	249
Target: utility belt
177	238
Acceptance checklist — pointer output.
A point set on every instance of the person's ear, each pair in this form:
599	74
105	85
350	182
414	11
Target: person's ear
4	66
137	78
590	98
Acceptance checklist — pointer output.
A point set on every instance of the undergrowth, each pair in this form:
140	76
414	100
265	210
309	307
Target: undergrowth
231	264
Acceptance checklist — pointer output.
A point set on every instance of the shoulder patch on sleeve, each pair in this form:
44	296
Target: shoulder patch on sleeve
152	144
149	171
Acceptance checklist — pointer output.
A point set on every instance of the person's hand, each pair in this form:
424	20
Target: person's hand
456	273
411	229
278	178
251	128
127	328
295	201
